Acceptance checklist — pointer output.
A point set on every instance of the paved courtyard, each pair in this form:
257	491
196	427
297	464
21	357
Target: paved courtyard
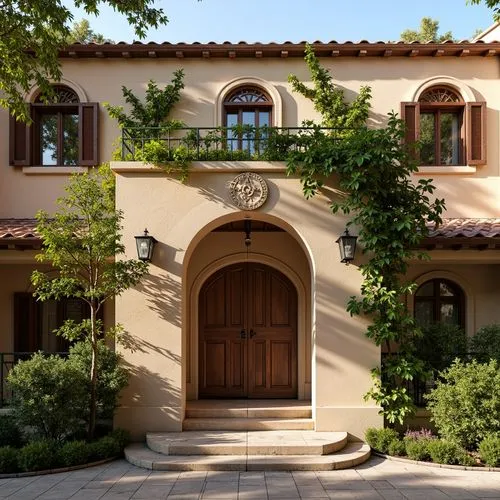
376	479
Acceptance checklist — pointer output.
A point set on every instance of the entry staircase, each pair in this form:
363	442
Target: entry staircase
247	435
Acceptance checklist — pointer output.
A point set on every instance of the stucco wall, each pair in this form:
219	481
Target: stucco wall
180	216
392	79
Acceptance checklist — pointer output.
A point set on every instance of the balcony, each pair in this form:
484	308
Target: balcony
241	143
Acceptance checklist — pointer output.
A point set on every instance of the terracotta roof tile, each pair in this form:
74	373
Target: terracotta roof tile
18	228
450	228
244	49
466	228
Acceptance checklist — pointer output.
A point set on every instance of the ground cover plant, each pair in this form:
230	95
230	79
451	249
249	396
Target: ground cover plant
44	454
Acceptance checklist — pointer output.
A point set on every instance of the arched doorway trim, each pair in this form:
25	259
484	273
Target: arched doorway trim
192	387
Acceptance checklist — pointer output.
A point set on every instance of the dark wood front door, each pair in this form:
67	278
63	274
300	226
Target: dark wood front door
248	334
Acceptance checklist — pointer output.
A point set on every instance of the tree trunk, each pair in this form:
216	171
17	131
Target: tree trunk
93	375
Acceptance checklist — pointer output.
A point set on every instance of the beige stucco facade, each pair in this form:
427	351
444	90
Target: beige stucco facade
161	315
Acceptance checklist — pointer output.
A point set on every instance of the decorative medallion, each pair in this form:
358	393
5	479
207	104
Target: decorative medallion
248	191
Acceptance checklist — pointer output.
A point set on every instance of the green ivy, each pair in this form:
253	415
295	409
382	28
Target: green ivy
390	211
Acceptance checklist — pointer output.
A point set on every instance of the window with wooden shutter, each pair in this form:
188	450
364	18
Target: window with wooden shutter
19	142
64	132
476	133
450	132
409	114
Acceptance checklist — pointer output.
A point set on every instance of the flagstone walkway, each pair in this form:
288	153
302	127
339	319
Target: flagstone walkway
376	479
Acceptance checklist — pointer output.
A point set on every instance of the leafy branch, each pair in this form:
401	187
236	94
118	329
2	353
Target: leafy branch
373	169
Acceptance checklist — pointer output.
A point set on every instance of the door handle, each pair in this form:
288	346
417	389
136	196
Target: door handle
252	334
243	334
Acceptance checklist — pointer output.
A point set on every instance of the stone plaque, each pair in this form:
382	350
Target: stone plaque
248	191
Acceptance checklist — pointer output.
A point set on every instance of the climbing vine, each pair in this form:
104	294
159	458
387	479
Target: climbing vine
390	211
148	121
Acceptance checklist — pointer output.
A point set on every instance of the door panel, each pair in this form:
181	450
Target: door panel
262	362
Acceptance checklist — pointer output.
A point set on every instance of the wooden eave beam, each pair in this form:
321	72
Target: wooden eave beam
274	50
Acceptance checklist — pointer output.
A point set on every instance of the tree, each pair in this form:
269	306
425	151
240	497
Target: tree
32	33
428	31
373	169
491	4
81	32
82	242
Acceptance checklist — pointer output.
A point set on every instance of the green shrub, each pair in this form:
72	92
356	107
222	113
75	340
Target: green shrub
489	450
8	459
380	439
74	453
440	344
112	377
121	436
445	452
417	449
396	448
38	455
10	435
371	436
465	404
49	395
485	344
106	447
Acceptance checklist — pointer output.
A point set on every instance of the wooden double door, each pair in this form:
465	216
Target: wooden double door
248	334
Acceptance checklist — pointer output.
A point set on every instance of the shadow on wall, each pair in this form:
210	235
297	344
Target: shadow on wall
147	389
164	296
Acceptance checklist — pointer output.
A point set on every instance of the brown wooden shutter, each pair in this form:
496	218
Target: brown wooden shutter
27	330
476	133
88	133
19	142
410	114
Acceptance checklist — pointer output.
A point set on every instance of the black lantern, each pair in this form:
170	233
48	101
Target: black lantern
145	246
347	246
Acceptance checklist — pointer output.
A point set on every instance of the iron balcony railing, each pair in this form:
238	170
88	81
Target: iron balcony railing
220	143
7	361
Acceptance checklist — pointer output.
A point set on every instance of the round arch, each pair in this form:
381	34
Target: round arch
82	96
464	90
228	88
194	283
470	312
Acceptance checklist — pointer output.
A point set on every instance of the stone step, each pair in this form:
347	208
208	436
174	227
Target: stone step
247	424
351	455
246	443
282	408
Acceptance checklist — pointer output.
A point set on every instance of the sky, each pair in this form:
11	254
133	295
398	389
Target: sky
293	20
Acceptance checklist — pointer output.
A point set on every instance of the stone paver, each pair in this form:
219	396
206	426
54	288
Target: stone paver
376	479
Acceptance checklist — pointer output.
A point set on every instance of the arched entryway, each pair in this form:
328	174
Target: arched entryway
247	333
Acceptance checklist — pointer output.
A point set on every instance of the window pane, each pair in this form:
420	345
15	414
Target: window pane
70	139
446	290
449	314
248	142
232	138
264	119
48	139
426	290
427	139
450	138
424	313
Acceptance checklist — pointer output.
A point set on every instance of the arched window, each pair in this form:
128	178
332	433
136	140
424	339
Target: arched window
441	127
440	301
451	132
56	128
64	132
247	107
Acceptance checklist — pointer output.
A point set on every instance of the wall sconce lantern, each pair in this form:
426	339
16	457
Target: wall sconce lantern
347	247
145	246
